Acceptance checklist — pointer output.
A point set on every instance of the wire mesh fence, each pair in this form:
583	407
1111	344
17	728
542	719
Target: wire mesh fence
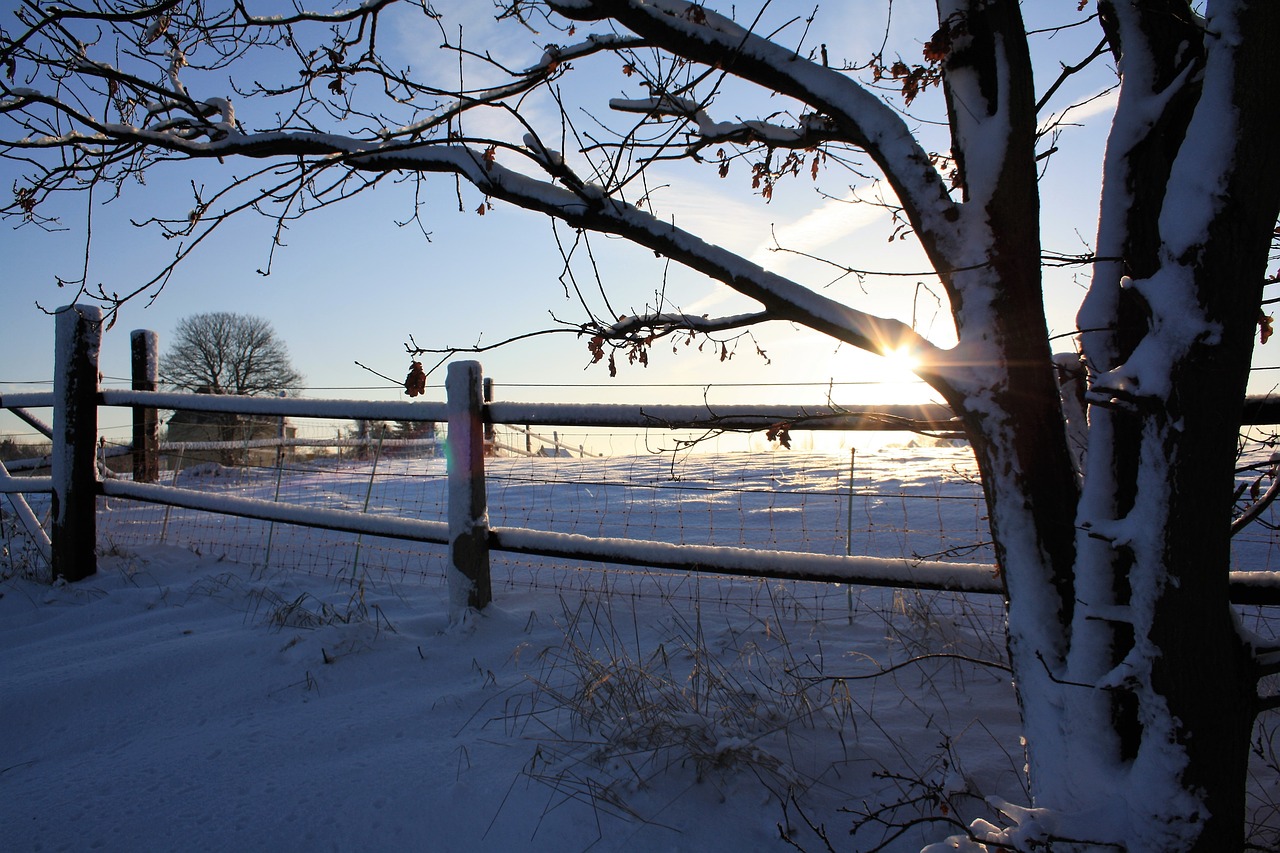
909	497
897	501
903	497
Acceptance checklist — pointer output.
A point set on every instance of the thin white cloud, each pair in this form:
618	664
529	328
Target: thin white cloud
1102	103
831	221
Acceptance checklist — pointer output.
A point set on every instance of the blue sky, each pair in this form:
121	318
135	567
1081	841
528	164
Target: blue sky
350	285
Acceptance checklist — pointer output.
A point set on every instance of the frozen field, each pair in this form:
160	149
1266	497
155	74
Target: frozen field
227	684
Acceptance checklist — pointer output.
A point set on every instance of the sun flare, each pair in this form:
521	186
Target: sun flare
900	364
864	378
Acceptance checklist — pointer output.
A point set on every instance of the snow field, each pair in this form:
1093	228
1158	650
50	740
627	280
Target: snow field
224	684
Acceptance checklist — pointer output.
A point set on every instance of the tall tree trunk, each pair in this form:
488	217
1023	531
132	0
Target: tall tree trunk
1155	706
1208	675
1138	693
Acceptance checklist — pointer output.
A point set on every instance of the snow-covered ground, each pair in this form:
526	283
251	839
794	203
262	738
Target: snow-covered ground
223	684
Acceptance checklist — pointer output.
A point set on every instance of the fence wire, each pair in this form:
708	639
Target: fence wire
912	502
908	498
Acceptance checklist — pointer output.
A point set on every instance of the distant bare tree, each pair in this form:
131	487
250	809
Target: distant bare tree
228	353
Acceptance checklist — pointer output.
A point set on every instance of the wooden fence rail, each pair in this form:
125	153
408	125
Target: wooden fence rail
75	482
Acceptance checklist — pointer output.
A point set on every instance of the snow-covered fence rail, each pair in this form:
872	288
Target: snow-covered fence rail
75	480
552	442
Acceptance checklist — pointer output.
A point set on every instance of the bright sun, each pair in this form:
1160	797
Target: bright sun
860	378
899	366
871	379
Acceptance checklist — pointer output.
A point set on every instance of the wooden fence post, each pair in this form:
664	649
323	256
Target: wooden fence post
280	434
74	539
489	435
469	583
146	421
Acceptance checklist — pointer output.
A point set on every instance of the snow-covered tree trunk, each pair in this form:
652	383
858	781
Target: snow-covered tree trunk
1138	691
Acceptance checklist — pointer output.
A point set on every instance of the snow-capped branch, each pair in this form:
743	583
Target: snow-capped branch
857	115
590	208
669	322
1157	91
585	207
810	131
